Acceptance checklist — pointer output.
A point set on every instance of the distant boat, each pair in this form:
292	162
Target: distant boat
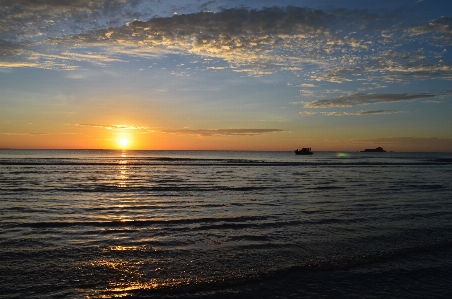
378	149
303	151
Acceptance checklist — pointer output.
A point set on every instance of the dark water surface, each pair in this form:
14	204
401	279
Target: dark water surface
207	224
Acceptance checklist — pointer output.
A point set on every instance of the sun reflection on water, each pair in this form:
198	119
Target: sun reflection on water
127	276
123	175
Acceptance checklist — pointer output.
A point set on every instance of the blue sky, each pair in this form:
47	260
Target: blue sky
256	75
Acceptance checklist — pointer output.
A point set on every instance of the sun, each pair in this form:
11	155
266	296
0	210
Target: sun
123	142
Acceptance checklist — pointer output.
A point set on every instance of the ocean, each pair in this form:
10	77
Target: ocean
224	224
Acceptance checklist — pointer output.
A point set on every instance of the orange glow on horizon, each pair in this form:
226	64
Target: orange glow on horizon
89	137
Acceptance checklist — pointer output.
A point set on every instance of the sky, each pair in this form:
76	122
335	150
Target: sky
226	74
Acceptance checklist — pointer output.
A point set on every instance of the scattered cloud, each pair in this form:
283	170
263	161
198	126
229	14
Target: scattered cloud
342	45
26	19
441	28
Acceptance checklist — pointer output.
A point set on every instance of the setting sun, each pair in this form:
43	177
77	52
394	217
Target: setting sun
123	142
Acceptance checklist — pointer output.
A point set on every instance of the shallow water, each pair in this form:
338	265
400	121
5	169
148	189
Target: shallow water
76	224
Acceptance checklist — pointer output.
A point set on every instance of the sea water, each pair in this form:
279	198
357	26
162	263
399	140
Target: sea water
224	224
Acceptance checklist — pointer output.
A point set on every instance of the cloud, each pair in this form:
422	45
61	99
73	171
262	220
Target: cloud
216	67
433	102
255	41
338	45
29	19
366	112
441	28
24	134
306	92
18	64
117	127
223	132
362	112
356	99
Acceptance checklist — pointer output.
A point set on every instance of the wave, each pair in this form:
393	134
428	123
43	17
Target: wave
323	274
138	223
216	164
165	161
160	190
267	222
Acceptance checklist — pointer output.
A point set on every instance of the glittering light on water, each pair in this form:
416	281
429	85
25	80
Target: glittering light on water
342	155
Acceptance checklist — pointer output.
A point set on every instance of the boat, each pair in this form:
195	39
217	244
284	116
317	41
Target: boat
303	151
378	149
